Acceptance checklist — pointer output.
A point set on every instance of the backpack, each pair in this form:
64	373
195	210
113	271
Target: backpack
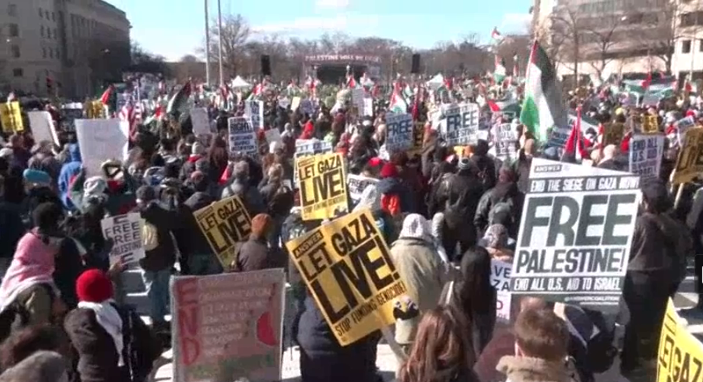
16	316
150	236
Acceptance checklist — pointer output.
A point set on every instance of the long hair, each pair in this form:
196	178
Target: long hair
474	291
441	349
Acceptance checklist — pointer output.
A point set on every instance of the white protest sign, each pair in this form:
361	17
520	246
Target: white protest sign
459	124
646	155
101	140
254	110
505	141
356	184
42	126
682	126
273	135
503	300
284	102
368	107
399	131
500	275
650	99
126	234
575	234
358	99
242	137
200	120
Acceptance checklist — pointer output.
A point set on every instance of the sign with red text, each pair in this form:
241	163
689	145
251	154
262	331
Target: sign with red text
228	327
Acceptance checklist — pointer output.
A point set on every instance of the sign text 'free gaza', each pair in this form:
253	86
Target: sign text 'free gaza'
575	234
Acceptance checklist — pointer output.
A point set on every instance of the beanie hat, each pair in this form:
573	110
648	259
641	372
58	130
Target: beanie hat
94	185
94	286
145	194
389	171
260	225
36	176
197	149
464	164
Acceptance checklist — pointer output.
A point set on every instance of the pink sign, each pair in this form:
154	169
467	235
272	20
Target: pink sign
227	327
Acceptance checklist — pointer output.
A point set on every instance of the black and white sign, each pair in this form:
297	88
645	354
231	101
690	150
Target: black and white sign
505	141
126	234
254	110
646	155
242	137
399	129
308	147
575	234
356	184
459	124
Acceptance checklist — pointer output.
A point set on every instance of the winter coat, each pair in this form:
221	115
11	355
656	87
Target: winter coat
254	255
250	195
394	186
502	192
526	369
486	169
11	227
465	191
522	170
659	243
424	275
166	222
68	172
197	243
323	359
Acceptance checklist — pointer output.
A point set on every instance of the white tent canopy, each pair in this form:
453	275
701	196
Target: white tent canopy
238	82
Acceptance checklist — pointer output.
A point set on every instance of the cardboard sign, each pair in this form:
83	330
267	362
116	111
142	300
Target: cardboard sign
399	132
242	137
308	147
689	163
228	327
254	111
575	235
323	186
459	124
348	268
646	155
126	233
69	117
650	124
95	110
224	223
505	141
614	133
200	120
11	115
356	185
680	355
101	140
42	127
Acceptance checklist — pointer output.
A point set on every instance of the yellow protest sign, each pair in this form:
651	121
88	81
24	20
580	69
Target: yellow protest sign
224	223
11	117
418	138
94	109
650	124
689	163
614	134
323	186
680	353
348	268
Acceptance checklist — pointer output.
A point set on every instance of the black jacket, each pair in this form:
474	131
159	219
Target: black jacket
197	242
11	227
502	192
166	223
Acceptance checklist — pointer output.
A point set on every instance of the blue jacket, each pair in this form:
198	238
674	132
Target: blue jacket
69	170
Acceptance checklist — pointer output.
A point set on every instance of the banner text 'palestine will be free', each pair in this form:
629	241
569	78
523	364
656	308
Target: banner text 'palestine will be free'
575	234
348	268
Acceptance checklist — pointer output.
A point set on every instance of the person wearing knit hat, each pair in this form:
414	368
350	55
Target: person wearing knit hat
98	323
254	254
36	177
396	196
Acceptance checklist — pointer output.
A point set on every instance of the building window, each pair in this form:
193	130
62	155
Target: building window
12	9
42	31
686	46
41	12
14	30
53	16
51	53
56	33
43	52
18	72
16	51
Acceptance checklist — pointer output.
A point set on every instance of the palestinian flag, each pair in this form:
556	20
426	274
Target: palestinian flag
542	108
500	72
398	104
179	101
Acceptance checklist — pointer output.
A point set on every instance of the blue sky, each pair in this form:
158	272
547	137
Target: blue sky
173	31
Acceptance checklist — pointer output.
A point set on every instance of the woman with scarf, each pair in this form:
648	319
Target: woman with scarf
28	294
420	266
112	343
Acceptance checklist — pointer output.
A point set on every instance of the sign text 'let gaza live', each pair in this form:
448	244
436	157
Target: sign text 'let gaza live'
323	186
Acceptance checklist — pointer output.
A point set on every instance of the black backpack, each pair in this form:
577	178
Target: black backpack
16	316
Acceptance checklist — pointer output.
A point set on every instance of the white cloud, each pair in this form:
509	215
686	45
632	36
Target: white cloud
335	4
515	22
301	24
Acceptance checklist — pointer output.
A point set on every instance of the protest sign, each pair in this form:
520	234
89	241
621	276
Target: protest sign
357	95
368	107
399	131
348	269
689	163
42	127
650	124
505	140
254	111
307	107
614	133
503	303
418	138
323	186
646	155
200	120
126	233
295	103
575	234
242	138
224	223
459	124
680	355
356	185
101	140
308	147
228	327
11	117
69	117
273	135
651	99
500	279
681	127
94	109
558	136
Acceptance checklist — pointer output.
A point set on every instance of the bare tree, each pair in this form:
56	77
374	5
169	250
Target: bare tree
567	30
664	29
602	35
235	34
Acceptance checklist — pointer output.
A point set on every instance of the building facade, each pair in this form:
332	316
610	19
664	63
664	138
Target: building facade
603	38
688	58
62	47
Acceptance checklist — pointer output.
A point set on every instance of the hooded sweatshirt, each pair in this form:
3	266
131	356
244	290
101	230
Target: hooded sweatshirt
68	172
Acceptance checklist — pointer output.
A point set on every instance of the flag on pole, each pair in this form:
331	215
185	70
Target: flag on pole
496	36
179	101
500	72
542	108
